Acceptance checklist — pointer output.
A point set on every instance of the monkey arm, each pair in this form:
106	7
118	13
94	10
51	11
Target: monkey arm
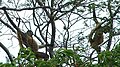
94	15
98	25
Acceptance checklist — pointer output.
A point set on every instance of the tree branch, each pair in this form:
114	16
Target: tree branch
7	51
6	24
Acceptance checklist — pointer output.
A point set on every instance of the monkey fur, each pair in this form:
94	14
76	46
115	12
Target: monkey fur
96	35
31	41
33	45
96	40
27	39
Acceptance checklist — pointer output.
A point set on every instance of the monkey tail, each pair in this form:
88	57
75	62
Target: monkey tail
42	55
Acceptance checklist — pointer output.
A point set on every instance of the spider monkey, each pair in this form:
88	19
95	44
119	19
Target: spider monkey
96	35
35	47
27	39
31	41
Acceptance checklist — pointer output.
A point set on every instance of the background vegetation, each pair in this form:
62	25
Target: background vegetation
65	25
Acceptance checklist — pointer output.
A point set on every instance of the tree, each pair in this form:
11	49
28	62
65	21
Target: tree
66	24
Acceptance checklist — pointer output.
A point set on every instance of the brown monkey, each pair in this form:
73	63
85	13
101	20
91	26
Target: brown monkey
29	40
33	45
96	40
26	39
96	35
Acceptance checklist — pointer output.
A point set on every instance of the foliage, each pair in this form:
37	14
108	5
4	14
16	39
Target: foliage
63	24
25	57
110	58
65	57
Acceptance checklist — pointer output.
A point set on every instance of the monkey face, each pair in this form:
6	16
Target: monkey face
29	32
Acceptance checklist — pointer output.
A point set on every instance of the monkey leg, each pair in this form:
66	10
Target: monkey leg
97	48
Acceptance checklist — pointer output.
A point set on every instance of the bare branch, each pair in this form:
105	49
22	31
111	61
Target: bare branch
7	51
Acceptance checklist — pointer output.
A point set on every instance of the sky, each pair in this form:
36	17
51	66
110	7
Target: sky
13	46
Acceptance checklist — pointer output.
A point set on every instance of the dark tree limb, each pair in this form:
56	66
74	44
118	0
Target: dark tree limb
52	39
13	24
111	25
7	51
25	38
6	24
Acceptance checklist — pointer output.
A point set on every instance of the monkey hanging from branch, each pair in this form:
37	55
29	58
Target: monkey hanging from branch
96	35
27	39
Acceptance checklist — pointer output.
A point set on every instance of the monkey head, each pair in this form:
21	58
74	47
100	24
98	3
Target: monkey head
29	32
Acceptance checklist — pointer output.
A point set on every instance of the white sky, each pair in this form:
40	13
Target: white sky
15	47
